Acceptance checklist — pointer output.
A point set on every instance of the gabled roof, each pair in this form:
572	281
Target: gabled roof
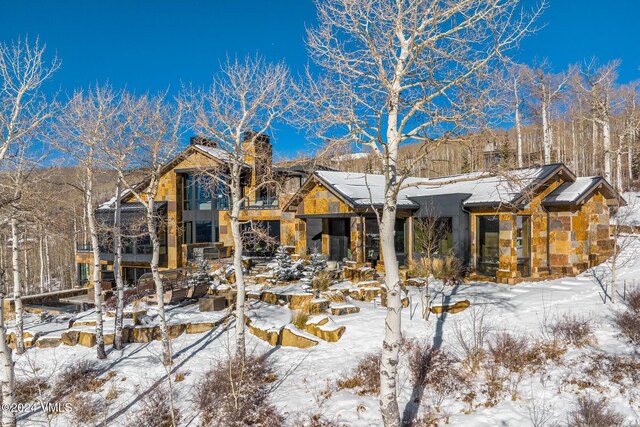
513	188
573	193
216	154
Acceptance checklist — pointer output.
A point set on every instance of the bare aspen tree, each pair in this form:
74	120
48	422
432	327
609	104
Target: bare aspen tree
236	112
116	153
157	127
595	85
545	89
23	109
397	72
89	122
517	106
7	380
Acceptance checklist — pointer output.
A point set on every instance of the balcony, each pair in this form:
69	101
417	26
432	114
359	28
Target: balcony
83	247
223	204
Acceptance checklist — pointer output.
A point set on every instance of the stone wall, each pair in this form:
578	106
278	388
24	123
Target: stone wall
579	236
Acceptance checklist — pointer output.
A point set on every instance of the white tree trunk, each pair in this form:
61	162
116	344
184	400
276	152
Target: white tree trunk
619	184
17	288
632	140
95	246
547	141
574	148
7	381
117	242
25	258
152	225
594	145
606	147
518	124
41	252
237	265
48	262
393	329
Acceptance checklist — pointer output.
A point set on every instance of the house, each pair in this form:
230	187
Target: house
526	223
194	222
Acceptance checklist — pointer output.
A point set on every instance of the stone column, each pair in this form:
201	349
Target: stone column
508	254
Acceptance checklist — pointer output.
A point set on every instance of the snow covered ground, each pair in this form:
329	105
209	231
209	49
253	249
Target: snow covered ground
307	377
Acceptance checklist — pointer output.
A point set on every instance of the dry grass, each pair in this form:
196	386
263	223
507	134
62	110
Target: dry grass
365	378
322	281
235	393
179	377
300	319
337	297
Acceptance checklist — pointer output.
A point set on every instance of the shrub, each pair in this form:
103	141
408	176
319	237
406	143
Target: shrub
510	357
365	378
235	393
448	269
87	410
337	297
77	377
156	410
573	329
27	390
632	300
471	335
432	368
420	267
629	320
593	413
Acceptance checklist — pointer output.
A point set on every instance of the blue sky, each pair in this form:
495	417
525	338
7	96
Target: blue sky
152	45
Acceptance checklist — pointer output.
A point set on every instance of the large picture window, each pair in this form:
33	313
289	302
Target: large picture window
487	244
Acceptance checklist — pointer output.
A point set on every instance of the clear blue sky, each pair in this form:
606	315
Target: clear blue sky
152	45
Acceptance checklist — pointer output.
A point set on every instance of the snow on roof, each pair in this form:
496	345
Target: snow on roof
571	192
214	152
483	189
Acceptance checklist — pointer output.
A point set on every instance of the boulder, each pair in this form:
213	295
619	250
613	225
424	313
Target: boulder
356	293
325	329
198	328
84	323
293	337
175	330
70	337
269	297
109	338
272	336
370	293
451	308
144	334
87	339
343	309
48	342
300	301
318	305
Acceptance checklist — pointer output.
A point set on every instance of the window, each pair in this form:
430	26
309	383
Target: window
523	244
487	244
203	231
83	273
433	236
196	192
